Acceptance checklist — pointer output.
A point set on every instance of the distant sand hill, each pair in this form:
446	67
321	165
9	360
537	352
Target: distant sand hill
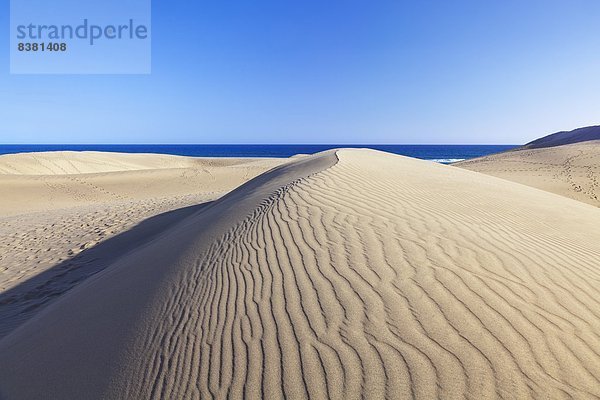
86	162
571	170
569	137
348	274
58	180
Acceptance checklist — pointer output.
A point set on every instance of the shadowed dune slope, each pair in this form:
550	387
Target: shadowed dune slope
54	228
355	274
572	170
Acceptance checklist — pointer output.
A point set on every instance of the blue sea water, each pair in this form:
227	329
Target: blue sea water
438	153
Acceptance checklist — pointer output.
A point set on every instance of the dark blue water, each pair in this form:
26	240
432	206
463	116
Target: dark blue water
439	153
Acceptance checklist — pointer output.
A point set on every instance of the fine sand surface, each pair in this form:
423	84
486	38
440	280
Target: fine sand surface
348	274
57	180
65	216
571	170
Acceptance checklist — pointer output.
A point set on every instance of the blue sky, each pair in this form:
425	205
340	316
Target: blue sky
489	72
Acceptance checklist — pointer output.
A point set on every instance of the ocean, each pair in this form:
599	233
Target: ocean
439	153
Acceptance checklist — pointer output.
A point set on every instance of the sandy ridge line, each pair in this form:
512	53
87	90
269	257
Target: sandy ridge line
188	289
116	295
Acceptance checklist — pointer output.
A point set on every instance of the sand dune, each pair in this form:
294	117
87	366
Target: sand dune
349	274
87	162
57	230
566	137
56	180
571	170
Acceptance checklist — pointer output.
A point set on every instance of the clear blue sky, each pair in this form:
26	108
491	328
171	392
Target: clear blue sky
316	71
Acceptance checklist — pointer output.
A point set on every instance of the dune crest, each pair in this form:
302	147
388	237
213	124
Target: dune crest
349	274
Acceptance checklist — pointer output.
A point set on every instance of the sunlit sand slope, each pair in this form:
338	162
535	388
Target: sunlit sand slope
355	274
56	180
571	170
87	162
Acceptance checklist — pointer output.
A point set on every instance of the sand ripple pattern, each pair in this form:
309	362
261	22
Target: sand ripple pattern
374	280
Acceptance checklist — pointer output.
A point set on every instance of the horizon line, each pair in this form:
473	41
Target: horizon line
259	144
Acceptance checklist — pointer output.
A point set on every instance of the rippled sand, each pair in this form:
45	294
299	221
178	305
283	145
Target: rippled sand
348	274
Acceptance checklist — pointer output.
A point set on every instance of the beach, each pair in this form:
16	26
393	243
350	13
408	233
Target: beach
351	273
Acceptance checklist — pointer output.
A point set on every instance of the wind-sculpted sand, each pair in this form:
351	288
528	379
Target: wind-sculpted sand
348	274
571	170
59	225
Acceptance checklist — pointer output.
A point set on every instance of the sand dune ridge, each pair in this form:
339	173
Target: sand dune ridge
354	274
